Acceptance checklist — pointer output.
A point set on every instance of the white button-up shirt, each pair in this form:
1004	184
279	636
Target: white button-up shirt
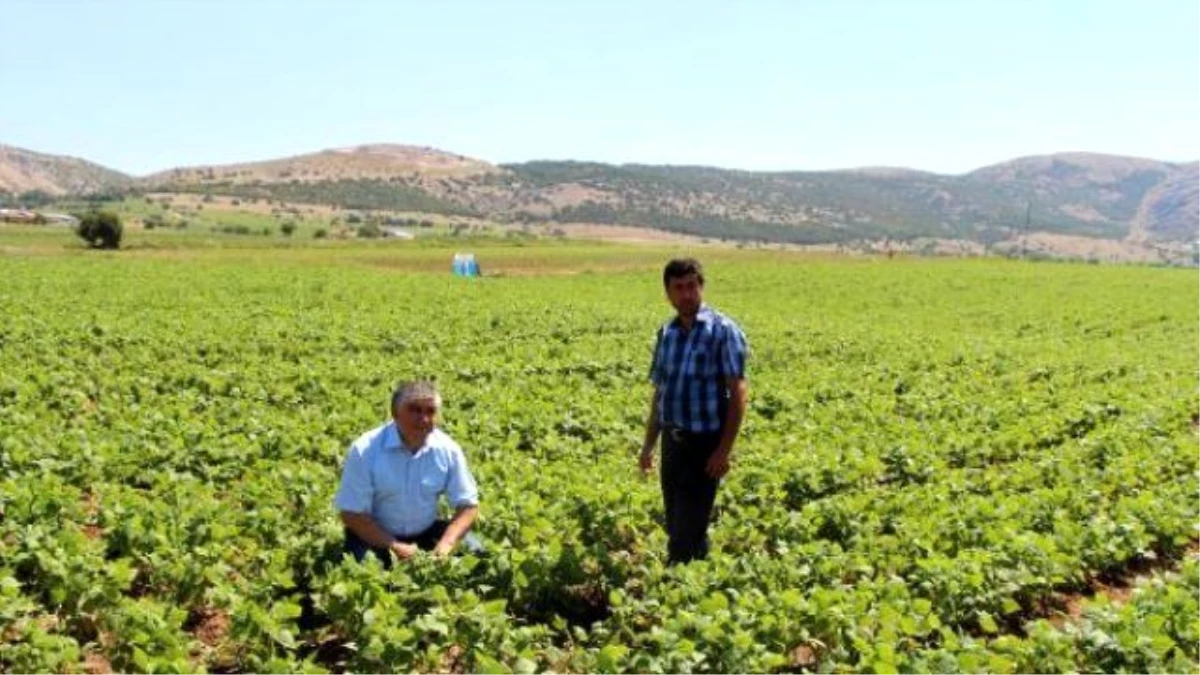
399	488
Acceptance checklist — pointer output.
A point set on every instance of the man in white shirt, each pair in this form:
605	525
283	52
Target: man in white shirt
393	477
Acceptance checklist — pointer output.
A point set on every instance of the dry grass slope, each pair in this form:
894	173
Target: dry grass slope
26	171
1120	201
363	162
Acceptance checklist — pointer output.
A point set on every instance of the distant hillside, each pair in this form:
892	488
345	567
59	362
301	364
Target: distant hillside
378	176
1101	195
1074	194
364	162
790	207
1070	194
1169	210
25	171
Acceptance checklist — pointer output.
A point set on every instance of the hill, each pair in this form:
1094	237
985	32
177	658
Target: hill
25	171
1075	194
1069	194
375	176
1072	194
381	161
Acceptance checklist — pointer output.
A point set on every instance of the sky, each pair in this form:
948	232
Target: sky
938	85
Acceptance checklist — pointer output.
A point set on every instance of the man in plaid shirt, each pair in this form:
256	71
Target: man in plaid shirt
699	377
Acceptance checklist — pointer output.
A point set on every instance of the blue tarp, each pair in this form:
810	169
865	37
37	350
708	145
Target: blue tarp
465	265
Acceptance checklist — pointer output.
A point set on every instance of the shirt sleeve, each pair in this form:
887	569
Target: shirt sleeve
656	375
356	493
732	352
460	486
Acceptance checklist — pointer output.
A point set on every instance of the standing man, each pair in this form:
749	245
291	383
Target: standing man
699	377
393	477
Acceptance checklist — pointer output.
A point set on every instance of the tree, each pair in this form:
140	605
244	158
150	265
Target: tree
35	198
288	227
101	229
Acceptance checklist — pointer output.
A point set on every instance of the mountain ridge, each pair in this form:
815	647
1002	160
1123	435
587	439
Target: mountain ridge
1073	193
24	170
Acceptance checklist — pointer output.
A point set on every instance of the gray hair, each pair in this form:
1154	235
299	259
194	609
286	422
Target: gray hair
417	390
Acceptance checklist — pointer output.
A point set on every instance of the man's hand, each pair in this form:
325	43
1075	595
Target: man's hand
653	430
718	463
646	461
456	529
403	551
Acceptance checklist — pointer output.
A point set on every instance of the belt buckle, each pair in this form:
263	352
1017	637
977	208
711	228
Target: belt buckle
677	434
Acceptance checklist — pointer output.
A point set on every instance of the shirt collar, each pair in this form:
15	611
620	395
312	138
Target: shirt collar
392	440
703	316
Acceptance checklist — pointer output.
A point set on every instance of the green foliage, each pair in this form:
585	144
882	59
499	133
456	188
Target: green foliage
370	230
237	229
347	194
100	229
928	460
826	206
31	199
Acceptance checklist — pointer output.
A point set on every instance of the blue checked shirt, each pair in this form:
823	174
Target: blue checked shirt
400	489
690	370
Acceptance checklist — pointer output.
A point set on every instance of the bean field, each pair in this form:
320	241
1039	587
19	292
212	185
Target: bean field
946	465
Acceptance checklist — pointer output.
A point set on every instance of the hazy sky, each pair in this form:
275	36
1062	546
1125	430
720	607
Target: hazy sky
796	84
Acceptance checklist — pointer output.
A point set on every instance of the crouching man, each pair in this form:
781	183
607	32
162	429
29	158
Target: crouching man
394	476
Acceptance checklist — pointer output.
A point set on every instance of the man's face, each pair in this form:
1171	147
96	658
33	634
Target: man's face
685	293
416	418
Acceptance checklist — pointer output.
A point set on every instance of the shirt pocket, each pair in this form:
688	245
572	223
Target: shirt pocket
431	486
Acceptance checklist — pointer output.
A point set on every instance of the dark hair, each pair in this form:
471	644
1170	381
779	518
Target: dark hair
681	267
416	389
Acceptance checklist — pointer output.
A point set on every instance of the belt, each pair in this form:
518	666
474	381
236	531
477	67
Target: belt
680	434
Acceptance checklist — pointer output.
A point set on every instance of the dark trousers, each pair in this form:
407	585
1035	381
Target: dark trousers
426	541
688	492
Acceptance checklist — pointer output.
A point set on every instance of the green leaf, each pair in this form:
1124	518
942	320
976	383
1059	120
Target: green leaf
987	624
714	603
884	668
1009	606
609	657
489	666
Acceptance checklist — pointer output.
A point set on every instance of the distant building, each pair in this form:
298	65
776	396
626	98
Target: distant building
396	233
27	216
61	219
17	216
